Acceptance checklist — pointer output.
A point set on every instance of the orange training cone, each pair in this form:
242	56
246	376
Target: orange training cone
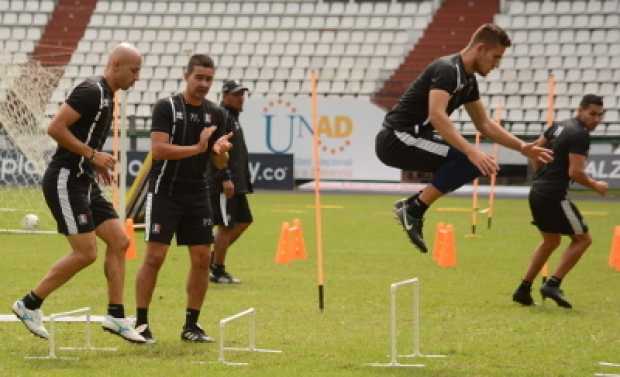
614	252
450	249
297	245
131	252
438	245
447	256
282	251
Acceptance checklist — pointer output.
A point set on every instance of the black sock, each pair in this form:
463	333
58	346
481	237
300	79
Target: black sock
217	267
116	310
526	285
142	316
554	281
32	301
191	317
416	207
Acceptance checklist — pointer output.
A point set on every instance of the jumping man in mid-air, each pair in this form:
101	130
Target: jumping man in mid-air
418	135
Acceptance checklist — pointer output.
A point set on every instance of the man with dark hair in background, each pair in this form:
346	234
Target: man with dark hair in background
418	135
228	187
554	214
187	131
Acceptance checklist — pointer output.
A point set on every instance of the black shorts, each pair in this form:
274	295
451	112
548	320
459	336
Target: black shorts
553	215
76	203
451	168
187	216
236	209
404	151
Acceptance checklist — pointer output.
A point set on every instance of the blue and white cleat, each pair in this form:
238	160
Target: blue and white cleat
32	319
122	327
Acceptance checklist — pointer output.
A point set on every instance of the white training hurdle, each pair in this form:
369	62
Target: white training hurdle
606	364
251	314
394	363
78	315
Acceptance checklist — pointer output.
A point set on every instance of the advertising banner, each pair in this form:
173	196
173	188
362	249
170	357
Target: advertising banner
346	127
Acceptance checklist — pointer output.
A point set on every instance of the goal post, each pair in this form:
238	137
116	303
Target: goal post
25	147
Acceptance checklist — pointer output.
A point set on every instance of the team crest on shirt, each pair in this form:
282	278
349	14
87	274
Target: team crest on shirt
105	102
207	118
206	221
83	219
179	116
156	228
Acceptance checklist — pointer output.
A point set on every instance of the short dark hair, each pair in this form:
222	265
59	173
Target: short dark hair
590	99
201	60
490	34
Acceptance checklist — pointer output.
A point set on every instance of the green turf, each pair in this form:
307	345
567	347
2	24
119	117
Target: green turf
466	312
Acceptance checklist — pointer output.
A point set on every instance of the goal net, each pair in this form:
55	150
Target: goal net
25	147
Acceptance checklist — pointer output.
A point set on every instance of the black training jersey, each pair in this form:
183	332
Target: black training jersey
184	123
447	73
238	163
92	99
565	137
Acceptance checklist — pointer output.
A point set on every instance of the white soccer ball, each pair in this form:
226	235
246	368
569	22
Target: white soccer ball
30	221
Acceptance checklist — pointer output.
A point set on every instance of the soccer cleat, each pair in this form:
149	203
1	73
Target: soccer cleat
145	331
219	275
523	296
411	225
556	294
195	334
122	327
32	319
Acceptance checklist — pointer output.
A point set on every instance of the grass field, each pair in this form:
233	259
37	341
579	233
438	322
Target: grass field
467	311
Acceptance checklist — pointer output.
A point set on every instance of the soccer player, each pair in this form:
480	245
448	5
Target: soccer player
182	132
418	135
73	195
228	187
554	214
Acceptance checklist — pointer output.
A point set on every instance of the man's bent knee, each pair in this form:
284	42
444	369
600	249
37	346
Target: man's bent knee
584	239
86	257
154	260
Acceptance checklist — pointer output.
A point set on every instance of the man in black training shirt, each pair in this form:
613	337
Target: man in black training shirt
228	187
417	133
73	195
183	131
553	213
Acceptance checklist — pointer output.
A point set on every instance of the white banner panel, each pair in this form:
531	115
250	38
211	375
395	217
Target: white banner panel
347	129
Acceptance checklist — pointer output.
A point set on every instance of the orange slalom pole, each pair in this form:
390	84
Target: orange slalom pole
116	151
317	188
498	120
550	116
550	99
474	196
